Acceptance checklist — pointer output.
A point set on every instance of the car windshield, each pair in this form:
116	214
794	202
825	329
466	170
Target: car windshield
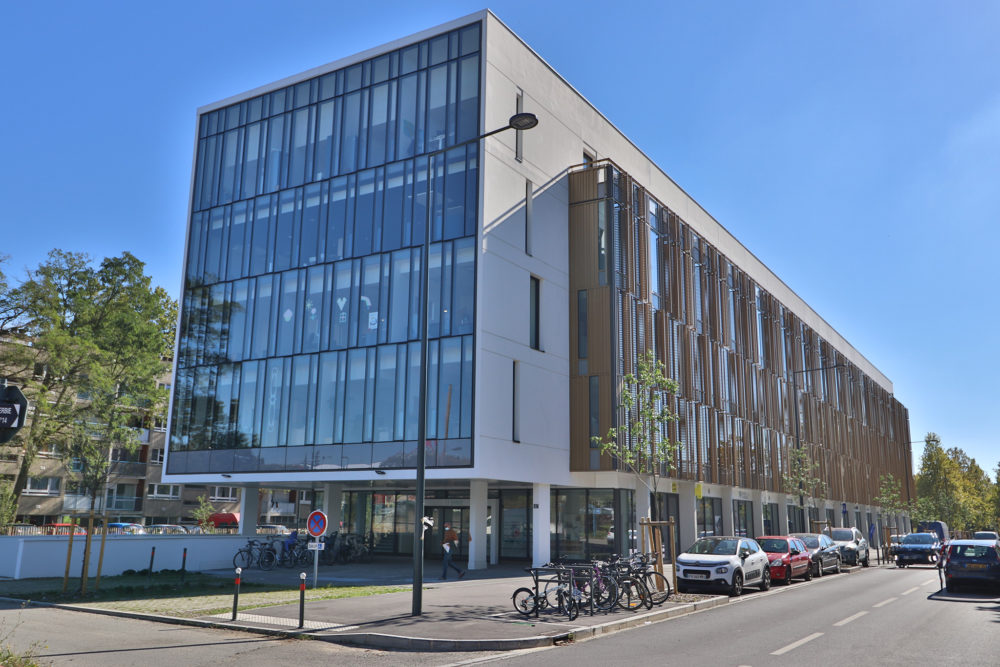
919	538
811	541
774	546
842	535
985	535
718	546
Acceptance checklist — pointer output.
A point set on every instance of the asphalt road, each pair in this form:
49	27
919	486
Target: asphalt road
77	638
873	617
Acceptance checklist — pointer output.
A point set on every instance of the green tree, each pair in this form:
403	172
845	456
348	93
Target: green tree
91	344
889	497
203	513
801	476
640	444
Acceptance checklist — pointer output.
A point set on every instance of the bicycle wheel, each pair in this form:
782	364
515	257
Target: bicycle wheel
632	594
658	587
550	594
267	559
567	605
524	601
605	593
243	559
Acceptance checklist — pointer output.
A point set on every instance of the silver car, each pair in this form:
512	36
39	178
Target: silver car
852	543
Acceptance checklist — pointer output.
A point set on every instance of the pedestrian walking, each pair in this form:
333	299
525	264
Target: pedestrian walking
450	542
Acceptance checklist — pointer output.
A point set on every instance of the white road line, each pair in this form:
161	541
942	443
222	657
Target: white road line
849	619
907	592
795	645
929	582
884	603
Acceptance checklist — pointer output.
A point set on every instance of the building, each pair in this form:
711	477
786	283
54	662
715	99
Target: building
557	255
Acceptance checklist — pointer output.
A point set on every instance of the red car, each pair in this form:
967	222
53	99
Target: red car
789	557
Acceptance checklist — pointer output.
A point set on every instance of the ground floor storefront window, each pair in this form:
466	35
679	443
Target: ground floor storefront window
583	524
743	518
709	517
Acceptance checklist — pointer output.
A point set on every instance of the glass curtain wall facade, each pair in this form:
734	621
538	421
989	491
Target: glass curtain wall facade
300	322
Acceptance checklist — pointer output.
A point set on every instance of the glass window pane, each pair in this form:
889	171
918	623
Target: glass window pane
287	312
309	246
340	210
385	391
324	141
354	406
298	167
238	236
351	126
368	308
299	403
284	238
437	100
313	313
260	243
326	397
468	98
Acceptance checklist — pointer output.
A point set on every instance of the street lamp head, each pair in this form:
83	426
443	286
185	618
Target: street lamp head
523	121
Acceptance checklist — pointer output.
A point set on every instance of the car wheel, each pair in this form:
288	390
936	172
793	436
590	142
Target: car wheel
808	574
950	587
836	568
819	568
866	561
765	580
788	575
736	589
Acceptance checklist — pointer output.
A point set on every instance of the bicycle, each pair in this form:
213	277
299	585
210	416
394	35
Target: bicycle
255	553
656	583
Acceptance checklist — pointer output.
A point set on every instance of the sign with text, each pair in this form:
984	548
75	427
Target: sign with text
13	408
9	415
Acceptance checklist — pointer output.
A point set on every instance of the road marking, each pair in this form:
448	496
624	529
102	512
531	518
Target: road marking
795	645
884	603
287	622
849	619
929	582
907	592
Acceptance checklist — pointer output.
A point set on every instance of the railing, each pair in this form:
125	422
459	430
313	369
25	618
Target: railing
128	469
125	503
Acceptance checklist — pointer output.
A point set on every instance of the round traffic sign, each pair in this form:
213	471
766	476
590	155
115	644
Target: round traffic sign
316	523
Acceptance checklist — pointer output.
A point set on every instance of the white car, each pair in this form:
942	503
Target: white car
726	563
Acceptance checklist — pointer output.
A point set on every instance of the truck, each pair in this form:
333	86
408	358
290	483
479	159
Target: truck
939	528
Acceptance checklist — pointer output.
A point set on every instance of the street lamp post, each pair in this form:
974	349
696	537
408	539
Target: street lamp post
795	402
519	121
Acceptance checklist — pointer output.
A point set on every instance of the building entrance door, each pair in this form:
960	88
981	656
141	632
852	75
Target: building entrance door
458	517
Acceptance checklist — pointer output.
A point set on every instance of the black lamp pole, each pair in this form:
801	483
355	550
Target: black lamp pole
520	121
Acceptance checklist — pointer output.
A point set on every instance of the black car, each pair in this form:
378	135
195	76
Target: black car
973	562
918	548
825	554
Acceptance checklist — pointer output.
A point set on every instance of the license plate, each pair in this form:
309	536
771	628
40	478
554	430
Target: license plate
976	566
695	575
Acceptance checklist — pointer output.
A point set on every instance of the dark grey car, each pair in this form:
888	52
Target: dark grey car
853	545
825	554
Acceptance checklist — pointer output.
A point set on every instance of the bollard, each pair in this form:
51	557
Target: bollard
302	600
149	576
184	560
236	594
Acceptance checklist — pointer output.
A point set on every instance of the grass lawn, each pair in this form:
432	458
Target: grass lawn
169	594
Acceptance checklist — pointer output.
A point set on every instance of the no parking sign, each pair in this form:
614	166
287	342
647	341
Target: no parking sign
316	523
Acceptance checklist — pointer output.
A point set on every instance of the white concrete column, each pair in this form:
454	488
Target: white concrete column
782	528
642	511
332	496
687	509
728	525
477	524
541	525
249	509
757	498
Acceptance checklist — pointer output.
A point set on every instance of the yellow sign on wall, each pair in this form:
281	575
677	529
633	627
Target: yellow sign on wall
697	490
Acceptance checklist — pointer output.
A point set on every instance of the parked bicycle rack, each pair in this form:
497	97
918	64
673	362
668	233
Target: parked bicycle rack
562	575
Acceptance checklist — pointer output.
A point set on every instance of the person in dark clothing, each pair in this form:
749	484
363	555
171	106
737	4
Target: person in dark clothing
449	542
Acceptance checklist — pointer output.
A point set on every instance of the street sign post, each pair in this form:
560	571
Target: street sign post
13	410
316	526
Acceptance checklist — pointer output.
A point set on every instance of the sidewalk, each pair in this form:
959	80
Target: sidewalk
471	614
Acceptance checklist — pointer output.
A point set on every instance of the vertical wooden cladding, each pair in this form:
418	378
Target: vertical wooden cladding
732	346
585	275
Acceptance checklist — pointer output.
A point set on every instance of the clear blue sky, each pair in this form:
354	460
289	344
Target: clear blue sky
853	146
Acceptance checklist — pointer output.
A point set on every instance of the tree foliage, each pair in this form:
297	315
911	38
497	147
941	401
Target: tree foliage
87	347
202	513
640	444
890	497
951	487
801	475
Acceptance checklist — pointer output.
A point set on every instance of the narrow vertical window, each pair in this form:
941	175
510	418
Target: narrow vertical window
581	331
529	195
533	305
519	134
515	418
594	410
588	160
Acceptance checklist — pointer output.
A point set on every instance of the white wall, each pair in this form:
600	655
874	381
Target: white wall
26	557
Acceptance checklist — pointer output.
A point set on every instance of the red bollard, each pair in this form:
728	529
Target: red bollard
302	599
236	595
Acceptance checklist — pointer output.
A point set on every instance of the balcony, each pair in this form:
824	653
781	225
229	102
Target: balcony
125	503
74	503
128	469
